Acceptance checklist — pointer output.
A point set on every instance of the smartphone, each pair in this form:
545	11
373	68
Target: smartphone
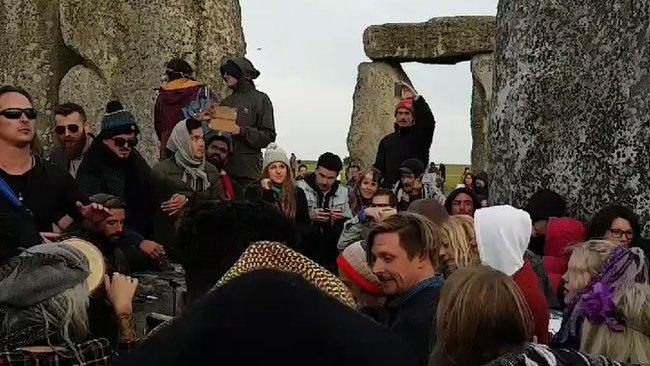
397	89
326	210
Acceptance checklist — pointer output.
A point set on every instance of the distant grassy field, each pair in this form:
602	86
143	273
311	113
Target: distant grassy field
453	174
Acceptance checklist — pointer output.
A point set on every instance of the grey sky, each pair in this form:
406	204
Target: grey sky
308	52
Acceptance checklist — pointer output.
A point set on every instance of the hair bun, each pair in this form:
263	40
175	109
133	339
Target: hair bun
114	106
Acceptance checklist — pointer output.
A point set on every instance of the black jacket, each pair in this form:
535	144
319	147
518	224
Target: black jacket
255	117
406	143
412	317
128	179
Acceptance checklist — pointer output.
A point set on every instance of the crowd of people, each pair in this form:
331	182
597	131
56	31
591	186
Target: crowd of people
283	265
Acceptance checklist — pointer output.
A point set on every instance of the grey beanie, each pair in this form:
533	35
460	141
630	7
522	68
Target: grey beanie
41	272
273	154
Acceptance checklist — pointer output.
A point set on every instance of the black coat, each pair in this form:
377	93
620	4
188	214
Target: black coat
406	143
128	179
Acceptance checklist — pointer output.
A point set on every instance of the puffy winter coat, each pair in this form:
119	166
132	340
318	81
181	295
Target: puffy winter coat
561	233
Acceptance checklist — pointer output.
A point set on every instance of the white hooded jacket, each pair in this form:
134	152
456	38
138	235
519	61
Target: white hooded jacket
502	236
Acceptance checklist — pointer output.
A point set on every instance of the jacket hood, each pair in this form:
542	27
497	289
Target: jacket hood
248	70
179	91
502	235
561	233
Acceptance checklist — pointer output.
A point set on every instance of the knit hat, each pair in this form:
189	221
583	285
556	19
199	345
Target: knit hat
211	135
330	161
405	103
353	263
117	121
274	153
46	270
412	166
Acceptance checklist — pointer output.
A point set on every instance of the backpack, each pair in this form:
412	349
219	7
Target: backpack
202	101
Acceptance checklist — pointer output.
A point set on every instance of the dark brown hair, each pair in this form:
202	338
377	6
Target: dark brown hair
67	109
16	89
481	316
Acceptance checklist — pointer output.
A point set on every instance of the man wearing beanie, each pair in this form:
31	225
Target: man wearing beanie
412	185
414	126
328	209
113	166
255	124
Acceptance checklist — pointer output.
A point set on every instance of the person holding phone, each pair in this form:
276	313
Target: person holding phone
414	126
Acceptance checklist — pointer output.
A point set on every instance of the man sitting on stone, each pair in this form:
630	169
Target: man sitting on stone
113	166
413	185
403	253
414	125
72	132
218	148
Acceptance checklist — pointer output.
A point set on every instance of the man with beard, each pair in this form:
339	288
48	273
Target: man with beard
113	166
218	148
72	132
413	186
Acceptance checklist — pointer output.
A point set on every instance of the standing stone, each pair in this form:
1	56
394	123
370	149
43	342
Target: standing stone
482	67
445	40
373	110
33	53
85	87
129	41
570	108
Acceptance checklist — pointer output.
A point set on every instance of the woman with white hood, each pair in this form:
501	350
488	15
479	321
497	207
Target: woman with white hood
502	235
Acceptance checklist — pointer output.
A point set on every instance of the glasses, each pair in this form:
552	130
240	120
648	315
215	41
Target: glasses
16	113
616	233
380	205
122	142
60	130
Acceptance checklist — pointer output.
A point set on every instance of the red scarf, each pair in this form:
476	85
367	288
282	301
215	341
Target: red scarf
229	192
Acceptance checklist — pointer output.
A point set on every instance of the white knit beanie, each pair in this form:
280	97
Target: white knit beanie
273	154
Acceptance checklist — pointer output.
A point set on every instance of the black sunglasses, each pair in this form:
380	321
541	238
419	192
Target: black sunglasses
60	130
15	113
121	142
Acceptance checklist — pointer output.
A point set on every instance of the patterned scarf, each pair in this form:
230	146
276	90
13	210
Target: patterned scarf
193	168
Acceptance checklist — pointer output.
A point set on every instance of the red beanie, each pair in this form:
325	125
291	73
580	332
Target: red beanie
405	103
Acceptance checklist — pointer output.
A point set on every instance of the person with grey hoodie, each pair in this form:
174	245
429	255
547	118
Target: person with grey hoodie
255	124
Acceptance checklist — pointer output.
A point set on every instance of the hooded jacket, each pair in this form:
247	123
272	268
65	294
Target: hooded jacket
560	234
406	142
502	234
255	118
168	110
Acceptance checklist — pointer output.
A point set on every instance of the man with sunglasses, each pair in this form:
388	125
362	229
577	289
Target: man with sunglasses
34	194
113	166
71	130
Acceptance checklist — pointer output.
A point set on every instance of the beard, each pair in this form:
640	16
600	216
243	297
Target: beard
217	162
74	149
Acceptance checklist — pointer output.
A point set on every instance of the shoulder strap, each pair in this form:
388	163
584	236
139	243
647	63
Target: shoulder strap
9	194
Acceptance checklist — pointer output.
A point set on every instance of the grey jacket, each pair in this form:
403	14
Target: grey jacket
339	200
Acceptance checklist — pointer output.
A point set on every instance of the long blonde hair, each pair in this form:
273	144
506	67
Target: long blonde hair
287	201
587	260
632	300
481	315
462	240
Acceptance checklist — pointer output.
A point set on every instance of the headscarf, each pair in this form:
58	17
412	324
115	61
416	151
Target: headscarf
193	168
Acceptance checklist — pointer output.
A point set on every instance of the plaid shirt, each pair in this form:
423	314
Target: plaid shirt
94	352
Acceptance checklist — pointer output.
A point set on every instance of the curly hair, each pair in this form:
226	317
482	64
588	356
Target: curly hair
461	241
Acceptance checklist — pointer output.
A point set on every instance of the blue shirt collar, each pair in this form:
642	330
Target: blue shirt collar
435	281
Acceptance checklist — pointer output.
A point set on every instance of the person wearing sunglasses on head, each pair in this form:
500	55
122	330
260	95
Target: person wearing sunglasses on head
114	166
34	194
72	132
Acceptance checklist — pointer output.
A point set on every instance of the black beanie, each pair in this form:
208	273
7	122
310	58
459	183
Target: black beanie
414	166
544	204
231	69
330	161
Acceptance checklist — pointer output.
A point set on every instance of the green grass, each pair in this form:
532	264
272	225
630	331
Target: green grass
453	174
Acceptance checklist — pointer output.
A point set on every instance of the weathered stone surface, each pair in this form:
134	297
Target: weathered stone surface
33	53
445	40
128	42
570	108
374	108
482	67
85	87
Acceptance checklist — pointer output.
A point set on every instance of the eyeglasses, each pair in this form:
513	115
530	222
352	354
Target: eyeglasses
616	233
60	130
16	113
380	205
122	142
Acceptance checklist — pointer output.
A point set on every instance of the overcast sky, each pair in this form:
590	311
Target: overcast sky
308	52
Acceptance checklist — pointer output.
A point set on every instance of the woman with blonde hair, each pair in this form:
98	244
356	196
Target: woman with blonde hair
597	269
460	248
277	186
629	342
483	319
364	190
